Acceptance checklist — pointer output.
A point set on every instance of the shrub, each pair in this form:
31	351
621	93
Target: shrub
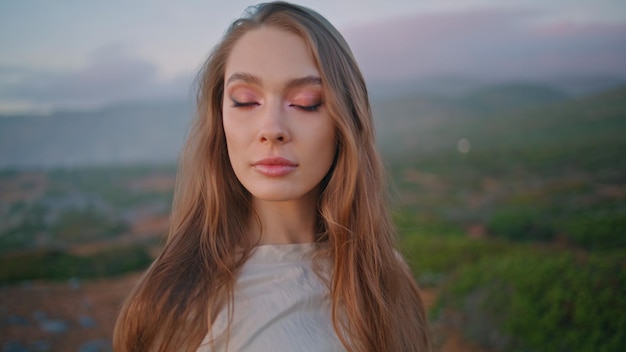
597	231
432	258
114	261
520	225
57	264
410	224
86	225
543	301
24	232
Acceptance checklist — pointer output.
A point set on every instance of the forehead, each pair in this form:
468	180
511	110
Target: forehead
271	54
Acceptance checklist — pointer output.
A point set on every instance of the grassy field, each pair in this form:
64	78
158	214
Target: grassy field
523	225
510	202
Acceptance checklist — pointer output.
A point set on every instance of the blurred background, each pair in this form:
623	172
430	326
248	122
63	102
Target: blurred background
502	125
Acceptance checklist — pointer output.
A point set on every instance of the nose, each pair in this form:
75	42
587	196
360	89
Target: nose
273	128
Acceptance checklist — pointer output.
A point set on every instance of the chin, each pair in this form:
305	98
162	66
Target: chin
282	192
276	196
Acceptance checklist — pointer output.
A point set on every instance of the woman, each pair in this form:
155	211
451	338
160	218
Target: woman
280	238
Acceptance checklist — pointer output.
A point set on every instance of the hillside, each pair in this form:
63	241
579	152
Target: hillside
426	122
517	218
502	209
130	133
555	162
154	132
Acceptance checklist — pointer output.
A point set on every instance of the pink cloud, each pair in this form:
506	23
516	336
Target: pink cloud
488	44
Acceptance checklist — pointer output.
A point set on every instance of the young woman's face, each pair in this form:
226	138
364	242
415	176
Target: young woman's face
280	137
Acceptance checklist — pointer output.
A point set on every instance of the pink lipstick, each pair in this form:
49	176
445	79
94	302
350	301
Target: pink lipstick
275	166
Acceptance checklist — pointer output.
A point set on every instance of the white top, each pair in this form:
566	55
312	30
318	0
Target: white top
280	304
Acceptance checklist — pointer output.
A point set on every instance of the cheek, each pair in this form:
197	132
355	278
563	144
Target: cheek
327	146
232	143
238	126
239	142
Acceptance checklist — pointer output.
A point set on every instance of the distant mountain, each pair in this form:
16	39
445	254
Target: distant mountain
129	133
513	96
154	132
424	124
459	86
585	85
447	87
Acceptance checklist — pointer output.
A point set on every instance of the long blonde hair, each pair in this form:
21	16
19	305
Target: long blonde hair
375	302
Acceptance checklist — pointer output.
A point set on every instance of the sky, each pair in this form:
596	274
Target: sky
80	54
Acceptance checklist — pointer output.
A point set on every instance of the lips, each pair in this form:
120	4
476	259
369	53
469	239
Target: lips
275	166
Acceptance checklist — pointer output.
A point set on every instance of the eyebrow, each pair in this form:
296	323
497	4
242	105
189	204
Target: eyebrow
294	83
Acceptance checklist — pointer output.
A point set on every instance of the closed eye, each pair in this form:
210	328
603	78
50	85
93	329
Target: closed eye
308	108
248	104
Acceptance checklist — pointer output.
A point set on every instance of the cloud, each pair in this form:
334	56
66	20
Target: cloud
494	44
497	44
110	76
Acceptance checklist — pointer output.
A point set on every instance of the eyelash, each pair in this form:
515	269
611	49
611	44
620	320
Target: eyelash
307	108
237	104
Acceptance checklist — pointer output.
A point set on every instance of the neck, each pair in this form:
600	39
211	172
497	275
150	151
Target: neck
285	222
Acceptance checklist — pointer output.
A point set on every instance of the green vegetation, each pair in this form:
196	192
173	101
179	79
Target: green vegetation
530	174
543	301
66	206
111	184
24	233
597	231
432	259
520	224
545	187
61	265
86	225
